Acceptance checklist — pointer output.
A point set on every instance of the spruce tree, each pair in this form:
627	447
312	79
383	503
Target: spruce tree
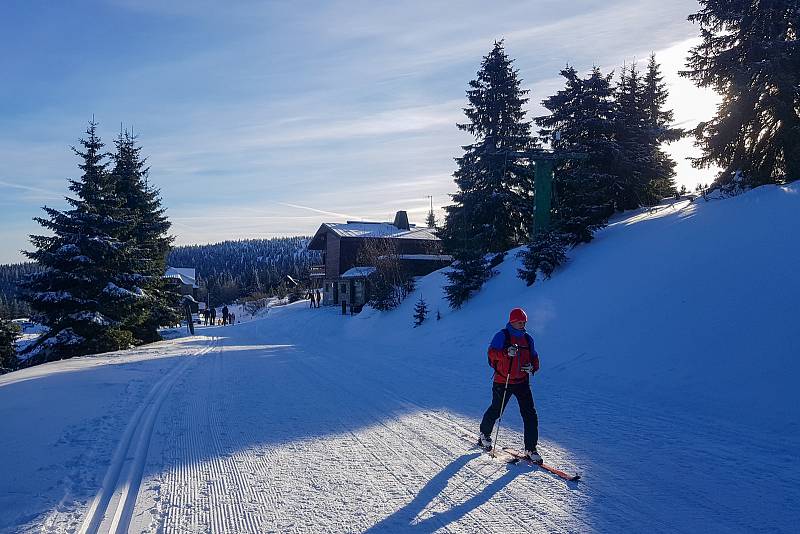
661	181
148	237
84	294
9	332
545	253
492	209
645	173
430	220
466	276
634	162
583	115
750	54
420	312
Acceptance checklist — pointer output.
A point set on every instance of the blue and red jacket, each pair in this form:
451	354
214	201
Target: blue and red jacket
503	365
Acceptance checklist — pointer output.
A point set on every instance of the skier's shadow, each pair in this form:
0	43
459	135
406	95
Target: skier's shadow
403	519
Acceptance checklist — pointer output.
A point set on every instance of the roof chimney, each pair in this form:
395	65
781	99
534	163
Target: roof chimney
401	220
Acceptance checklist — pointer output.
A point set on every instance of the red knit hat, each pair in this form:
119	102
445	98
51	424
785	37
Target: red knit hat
517	314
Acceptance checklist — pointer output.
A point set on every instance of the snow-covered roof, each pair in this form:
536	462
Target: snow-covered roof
426	257
186	275
371	230
358	272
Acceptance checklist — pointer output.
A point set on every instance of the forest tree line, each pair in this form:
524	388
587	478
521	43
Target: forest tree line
226	271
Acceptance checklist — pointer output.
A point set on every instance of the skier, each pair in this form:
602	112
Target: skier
213	316
225	315
513	357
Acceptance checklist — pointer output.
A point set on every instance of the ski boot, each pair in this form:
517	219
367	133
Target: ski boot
534	456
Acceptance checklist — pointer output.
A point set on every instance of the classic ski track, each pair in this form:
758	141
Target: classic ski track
120	489
435	440
130	489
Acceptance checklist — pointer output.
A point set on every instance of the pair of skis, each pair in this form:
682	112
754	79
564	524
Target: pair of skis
513	456
519	456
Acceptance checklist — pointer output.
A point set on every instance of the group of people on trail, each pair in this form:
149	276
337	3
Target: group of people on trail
514	359
314	297
210	316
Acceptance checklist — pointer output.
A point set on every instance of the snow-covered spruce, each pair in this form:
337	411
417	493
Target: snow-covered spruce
100	287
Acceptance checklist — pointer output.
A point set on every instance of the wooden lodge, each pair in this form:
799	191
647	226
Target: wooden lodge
185	280
343	276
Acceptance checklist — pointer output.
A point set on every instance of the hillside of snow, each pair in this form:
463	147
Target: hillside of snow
669	361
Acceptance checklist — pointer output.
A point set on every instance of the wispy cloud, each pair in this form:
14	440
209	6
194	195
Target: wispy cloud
315	210
37	192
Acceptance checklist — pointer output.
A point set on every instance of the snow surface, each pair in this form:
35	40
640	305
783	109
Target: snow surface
669	360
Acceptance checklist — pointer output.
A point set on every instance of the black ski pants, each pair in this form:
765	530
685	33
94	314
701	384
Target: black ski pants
526	408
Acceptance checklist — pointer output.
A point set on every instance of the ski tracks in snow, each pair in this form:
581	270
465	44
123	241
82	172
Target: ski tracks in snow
282	440
240	437
111	508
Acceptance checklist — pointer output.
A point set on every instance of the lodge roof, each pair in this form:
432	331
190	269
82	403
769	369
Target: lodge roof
363	229
186	275
358	272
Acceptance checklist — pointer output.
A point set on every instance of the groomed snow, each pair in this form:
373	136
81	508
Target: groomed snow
669	362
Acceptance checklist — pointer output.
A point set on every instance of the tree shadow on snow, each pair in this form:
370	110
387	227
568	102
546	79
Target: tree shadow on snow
403	520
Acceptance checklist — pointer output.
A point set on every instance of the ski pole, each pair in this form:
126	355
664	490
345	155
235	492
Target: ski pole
502	408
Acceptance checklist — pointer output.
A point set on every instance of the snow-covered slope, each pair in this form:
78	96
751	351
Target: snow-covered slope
669	355
695	304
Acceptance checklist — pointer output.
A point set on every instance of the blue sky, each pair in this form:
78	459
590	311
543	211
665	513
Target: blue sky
267	118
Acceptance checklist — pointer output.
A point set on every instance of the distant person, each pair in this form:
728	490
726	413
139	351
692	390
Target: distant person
225	315
514	359
233	318
213	316
311	299
317	297
205	317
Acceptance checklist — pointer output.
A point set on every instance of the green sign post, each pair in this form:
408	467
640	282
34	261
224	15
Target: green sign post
544	162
